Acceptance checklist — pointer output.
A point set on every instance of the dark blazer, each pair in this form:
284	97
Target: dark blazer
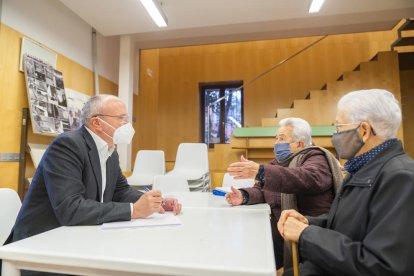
369	229
67	185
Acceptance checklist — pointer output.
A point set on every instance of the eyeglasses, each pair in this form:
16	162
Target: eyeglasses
124	118
338	126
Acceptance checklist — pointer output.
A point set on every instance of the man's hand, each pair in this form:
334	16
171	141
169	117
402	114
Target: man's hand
147	204
171	204
244	169
234	197
291	224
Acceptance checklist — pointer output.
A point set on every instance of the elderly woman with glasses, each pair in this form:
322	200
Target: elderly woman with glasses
301	176
368	230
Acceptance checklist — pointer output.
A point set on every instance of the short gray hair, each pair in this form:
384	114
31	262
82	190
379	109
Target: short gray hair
94	106
301	130
376	106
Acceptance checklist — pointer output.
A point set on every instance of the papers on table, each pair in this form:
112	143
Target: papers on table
156	219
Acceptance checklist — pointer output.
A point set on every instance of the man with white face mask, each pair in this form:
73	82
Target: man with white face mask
301	176
369	229
79	181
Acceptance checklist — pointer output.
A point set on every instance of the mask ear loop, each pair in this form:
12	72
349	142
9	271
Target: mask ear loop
108	125
370	126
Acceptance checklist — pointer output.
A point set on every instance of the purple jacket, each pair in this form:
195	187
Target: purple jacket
311	181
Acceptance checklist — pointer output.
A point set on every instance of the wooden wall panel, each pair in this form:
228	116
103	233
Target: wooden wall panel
13	97
107	87
175	103
145	105
407	97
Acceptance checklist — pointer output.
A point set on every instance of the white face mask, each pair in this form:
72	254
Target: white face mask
122	134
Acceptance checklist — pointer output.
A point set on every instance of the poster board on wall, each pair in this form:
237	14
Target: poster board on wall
53	108
47	97
35	49
76	100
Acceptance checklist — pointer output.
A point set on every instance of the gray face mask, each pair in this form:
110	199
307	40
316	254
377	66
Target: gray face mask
347	143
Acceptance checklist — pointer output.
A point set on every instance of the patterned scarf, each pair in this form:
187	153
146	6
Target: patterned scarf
356	163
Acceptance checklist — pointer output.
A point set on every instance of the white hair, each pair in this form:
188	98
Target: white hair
376	106
301	130
94	107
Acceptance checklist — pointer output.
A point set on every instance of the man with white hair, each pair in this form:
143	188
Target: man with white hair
369	229
302	177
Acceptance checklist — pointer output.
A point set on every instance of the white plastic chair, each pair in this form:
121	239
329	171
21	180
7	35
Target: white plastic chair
170	184
9	208
191	163
148	163
229	181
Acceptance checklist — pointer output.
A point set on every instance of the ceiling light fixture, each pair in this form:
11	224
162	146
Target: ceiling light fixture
155	11
315	6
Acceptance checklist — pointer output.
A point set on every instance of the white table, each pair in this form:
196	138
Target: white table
208	200
211	241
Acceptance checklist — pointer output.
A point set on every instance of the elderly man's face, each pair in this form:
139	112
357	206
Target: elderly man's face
284	135
113	113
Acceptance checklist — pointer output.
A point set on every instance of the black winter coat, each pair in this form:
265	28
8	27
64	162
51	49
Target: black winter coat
369	229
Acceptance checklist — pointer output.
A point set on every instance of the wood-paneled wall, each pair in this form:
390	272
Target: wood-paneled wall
407	105
168	109
13	97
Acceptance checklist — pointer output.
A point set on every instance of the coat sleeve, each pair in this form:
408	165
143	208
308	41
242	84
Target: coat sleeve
388	244
313	176
320	221
255	194
62	172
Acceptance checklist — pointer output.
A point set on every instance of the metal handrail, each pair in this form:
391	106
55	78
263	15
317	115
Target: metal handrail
256	78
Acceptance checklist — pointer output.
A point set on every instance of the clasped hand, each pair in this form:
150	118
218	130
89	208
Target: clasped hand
151	202
291	224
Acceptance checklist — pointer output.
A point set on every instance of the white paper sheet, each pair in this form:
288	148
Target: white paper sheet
156	219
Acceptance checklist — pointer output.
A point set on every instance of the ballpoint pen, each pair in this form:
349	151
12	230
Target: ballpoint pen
146	189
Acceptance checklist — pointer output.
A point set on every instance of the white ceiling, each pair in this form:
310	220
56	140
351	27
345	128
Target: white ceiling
192	22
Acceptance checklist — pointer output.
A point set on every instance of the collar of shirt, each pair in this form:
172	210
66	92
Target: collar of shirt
356	163
103	150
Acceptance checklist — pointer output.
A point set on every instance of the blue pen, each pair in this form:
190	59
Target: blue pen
146	189
219	193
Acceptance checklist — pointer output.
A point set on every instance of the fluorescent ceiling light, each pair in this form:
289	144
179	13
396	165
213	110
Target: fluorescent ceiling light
315	6
154	10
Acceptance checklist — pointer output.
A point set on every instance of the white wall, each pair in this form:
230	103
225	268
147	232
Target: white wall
57	27
108	57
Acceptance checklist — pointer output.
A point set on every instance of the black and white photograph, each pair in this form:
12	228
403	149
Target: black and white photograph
61	97
47	97
30	68
58	79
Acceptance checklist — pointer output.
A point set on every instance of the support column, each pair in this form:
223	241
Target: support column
125	91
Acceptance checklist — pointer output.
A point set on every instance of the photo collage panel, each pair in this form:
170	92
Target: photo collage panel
47	97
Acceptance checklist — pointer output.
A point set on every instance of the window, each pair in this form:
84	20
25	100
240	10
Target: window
222	104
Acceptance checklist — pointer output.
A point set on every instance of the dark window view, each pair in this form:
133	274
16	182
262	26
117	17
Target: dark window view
222	104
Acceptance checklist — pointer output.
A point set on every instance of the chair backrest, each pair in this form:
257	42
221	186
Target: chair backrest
192	156
148	163
9	208
36	153
229	181
170	184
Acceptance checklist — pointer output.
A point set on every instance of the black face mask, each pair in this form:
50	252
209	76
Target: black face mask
347	143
